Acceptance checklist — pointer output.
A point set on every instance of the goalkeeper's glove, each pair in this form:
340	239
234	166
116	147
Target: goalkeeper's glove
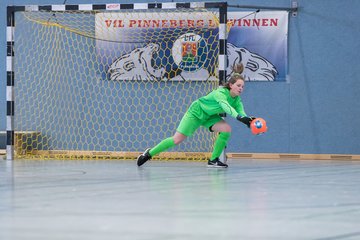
245	120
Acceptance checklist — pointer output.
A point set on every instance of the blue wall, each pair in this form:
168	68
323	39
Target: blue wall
317	110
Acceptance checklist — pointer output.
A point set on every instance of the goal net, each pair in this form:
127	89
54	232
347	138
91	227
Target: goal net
109	84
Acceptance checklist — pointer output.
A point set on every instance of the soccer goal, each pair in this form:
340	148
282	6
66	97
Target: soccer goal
109	80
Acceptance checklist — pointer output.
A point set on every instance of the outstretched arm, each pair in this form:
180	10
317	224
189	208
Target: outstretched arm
236	112
228	109
239	115
242	117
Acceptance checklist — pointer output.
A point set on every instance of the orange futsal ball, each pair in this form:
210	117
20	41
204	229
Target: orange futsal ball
258	126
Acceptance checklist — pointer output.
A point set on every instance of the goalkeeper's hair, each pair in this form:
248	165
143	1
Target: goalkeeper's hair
238	68
233	80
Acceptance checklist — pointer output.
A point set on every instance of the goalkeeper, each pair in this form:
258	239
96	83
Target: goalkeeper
205	112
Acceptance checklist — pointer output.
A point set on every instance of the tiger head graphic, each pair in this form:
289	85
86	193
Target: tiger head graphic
136	65
256	67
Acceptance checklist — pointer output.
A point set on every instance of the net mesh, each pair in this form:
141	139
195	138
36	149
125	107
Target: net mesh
92	84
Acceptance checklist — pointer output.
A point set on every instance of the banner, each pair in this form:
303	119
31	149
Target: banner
259	41
185	46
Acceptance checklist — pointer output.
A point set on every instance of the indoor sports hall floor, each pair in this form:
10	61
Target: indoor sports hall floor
164	200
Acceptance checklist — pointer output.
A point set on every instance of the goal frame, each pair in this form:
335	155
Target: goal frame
10	39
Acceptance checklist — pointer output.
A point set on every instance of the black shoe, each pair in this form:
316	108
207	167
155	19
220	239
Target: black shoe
143	158
216	163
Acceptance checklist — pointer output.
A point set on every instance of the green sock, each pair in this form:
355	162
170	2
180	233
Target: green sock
162	146
220	144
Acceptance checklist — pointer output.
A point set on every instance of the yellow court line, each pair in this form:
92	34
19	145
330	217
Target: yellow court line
194	156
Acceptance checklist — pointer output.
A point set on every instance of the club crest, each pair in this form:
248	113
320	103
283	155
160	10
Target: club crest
190	52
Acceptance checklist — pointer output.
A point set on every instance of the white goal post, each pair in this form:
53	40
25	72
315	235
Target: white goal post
109	80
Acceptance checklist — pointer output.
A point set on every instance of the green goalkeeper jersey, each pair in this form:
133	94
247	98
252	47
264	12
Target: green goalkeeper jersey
220	101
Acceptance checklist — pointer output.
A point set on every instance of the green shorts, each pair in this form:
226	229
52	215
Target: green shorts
194	118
